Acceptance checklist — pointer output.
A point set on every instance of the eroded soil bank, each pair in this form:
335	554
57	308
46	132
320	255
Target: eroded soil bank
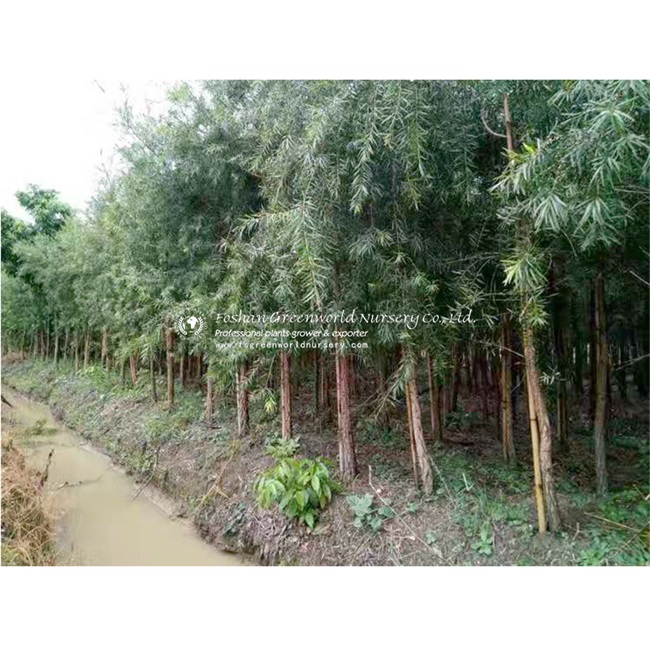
102	517
481	512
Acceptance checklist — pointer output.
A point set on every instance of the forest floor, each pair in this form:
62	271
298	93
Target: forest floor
481	512
27	528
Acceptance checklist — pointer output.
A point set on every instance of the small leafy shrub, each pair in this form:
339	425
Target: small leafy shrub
98	377
483	545
299	487
430	538
279	449
412	507
366	514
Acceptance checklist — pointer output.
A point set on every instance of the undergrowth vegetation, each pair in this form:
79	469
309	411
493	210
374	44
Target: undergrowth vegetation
27	538
300	487
481	510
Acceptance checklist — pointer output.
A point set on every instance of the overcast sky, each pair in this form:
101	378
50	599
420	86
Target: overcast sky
57	134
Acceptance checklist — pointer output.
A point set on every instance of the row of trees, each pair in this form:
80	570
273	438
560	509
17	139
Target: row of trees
526	202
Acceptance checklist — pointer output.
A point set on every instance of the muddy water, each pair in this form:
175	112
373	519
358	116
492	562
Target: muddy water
102	516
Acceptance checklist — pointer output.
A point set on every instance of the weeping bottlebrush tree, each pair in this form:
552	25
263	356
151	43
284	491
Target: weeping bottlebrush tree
584	186
524	202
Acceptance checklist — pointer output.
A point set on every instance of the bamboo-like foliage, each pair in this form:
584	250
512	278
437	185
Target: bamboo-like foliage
384	196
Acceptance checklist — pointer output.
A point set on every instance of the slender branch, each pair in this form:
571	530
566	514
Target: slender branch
489	130
638	277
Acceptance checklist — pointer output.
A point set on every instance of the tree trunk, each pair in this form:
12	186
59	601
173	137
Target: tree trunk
325	396
600	407
317	384
65	344
152	378
409	418
347	453
548	511
642	339
104	353
285	393
482	372
621	371
56	348
209	398
87	350
424	475
76	351
434	401
456	361
243	421
169	345
560	325
133	366
507	439
181	369
593	365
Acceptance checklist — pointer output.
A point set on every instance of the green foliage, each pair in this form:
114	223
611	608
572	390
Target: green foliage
412	507
484	544
236	517
301	488
366	514
278	448
618	533
39	428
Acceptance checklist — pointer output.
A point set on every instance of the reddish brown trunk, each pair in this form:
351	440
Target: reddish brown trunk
325	393
424	475
87	350
104	353
169	347
409	418
56	348
285	394
347	454
600	406
243	421
152	378
76	352
133	367
434	401
209	398
317	401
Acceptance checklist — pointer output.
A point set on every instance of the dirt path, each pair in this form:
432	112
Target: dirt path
103	517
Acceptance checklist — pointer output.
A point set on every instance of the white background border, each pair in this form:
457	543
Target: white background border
322	607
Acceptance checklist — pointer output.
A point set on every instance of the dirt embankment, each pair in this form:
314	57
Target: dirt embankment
480	513
27	530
